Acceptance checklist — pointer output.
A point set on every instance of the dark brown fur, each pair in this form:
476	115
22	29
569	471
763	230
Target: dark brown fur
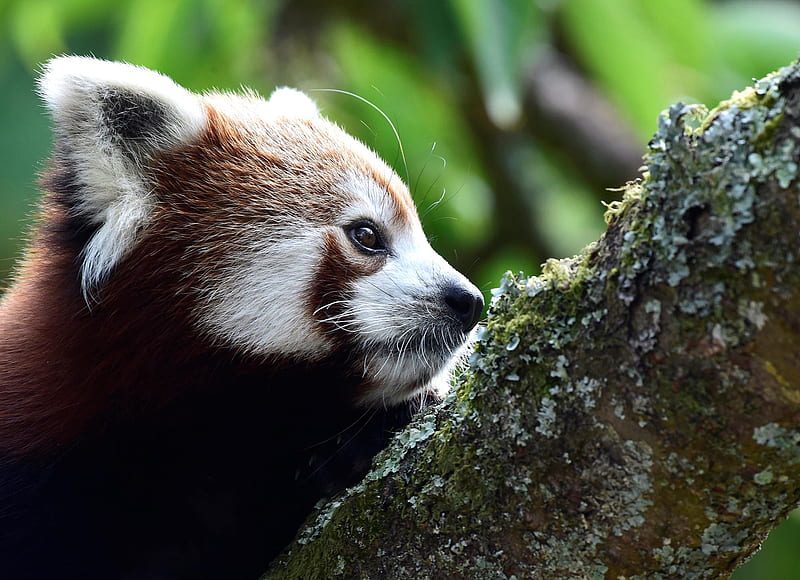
145	303
132	443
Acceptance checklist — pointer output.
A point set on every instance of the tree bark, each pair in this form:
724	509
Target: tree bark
631	413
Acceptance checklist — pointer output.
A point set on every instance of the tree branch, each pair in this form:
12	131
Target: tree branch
633	412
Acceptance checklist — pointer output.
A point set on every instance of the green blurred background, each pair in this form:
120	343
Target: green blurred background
517	117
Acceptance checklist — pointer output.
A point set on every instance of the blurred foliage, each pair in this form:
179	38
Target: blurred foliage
483	95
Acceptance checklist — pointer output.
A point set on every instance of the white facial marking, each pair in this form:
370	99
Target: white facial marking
260	306
397	313
372	202
111	119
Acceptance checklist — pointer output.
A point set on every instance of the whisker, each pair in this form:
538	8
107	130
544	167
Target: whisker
422	172
345	430
343	445
380	111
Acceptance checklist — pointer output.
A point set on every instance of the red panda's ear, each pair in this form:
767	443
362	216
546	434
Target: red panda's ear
288	102
116	107
110	119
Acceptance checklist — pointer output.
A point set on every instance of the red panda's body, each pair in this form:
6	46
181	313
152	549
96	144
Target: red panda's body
227	307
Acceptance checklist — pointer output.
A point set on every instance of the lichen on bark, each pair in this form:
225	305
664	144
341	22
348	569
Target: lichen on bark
630	413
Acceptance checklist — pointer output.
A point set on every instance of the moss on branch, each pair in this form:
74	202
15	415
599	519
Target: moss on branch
630	413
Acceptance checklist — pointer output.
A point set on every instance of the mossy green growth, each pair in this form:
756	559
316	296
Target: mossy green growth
529	318
631	194
701	186
592	381
682	236
761	94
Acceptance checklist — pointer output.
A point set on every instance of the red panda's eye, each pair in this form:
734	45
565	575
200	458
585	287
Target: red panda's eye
366	238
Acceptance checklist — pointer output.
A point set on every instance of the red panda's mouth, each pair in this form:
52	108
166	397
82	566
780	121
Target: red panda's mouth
397	370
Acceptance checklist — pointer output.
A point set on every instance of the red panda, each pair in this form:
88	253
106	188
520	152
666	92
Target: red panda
227	306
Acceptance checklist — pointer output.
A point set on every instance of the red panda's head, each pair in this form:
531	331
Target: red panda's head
276	234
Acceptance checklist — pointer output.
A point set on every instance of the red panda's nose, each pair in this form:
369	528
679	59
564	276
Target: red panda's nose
465	303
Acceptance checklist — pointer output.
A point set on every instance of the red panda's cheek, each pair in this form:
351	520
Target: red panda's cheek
341	268
259	302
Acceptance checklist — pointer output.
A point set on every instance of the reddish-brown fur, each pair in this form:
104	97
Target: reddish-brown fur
51	377
190	357
56	356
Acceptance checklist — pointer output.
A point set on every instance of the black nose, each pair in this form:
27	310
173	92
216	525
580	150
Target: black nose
466	304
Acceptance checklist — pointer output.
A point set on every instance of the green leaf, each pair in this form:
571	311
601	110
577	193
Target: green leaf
754	38
499	35
620	46
146	35
240	28
36	29
682	27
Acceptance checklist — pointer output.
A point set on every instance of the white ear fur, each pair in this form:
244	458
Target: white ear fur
288	102
110	118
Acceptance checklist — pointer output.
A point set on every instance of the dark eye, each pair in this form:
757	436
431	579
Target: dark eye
365	236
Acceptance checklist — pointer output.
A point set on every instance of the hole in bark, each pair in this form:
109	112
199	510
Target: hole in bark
695	218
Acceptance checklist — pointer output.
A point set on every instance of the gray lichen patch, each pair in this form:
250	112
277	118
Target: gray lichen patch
785	441
701	189
685	248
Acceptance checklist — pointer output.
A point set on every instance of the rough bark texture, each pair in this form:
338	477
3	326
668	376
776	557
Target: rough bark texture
633	412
